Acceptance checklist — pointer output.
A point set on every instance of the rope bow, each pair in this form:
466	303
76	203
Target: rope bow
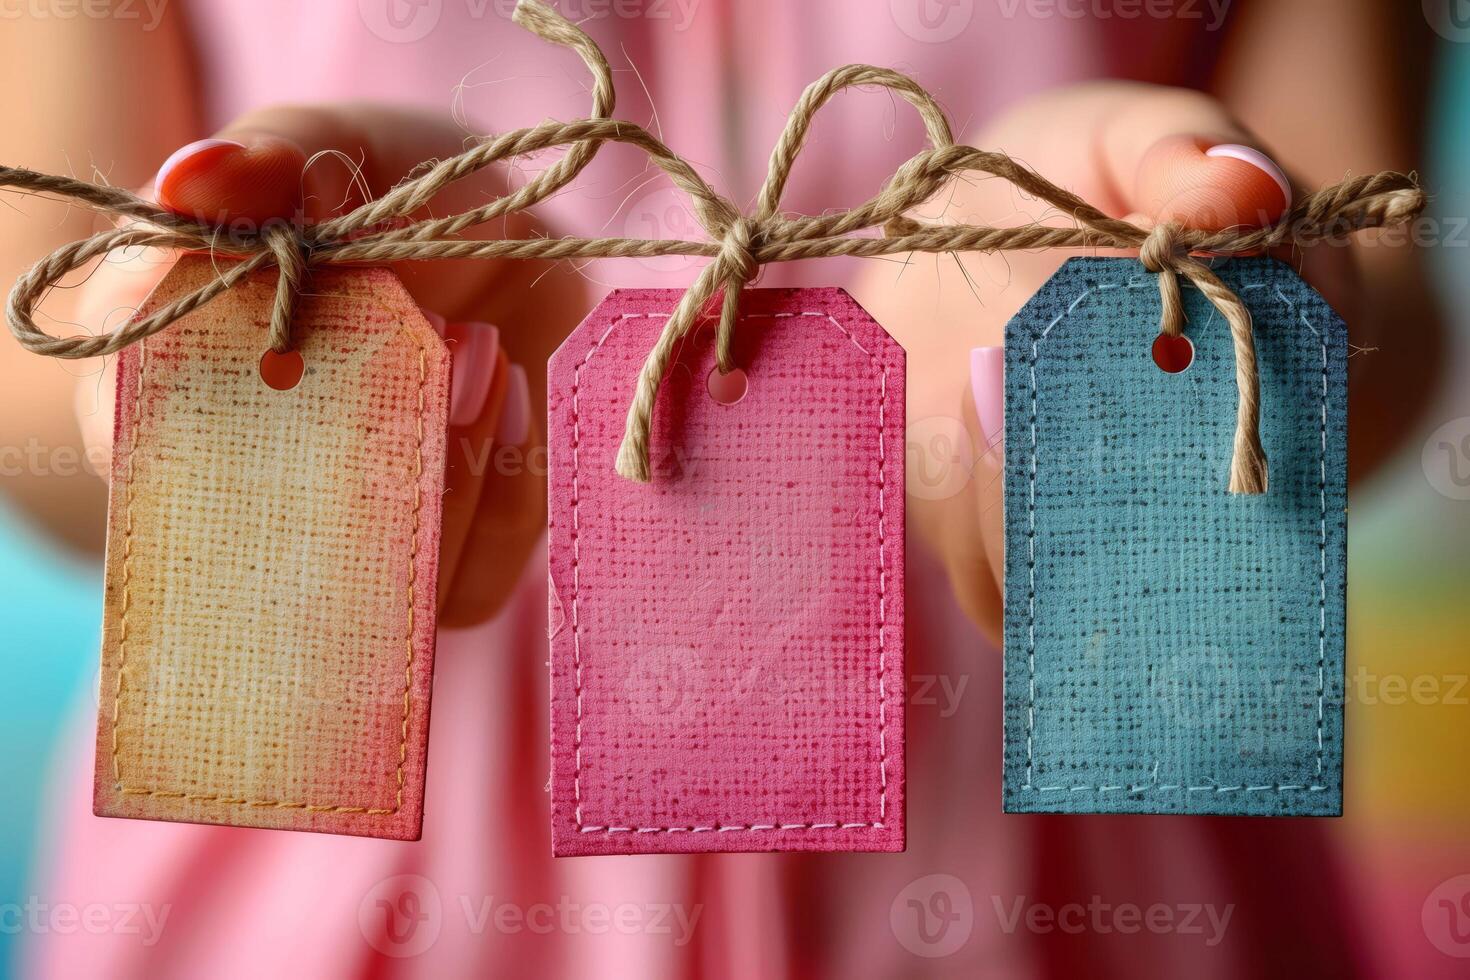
738	244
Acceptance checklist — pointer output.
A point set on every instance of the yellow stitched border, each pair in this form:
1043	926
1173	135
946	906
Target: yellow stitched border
123	637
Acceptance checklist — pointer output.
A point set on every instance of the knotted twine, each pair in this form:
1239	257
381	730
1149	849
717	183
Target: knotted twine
738	245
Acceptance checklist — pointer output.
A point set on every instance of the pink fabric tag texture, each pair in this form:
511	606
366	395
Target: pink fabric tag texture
727	650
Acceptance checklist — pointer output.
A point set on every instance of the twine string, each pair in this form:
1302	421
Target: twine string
382	231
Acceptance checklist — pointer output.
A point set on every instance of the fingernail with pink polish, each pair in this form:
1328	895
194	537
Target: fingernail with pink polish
515	417
987	386
474	347
189	151
1257	159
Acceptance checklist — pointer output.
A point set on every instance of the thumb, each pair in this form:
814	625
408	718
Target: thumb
305	161
253	178
1179	155
308	163
1211	186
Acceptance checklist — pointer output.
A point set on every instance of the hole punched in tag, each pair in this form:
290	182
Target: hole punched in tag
282	371
1173	354
727	389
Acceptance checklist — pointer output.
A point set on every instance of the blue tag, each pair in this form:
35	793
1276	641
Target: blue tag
1172	647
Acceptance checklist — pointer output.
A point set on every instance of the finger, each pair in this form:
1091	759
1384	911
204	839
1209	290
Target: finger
474	350
1211	186
987	393
511	513
987	387
111	294
477	397
313	162
985	417
1178	155
220	181
302	163
355	152
471	445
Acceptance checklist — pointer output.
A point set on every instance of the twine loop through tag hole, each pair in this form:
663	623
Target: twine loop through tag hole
380	231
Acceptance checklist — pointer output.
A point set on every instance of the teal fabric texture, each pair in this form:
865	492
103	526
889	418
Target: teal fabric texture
1172	647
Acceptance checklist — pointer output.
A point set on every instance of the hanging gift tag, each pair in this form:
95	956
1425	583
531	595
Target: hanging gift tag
1172	647
727	639
271	561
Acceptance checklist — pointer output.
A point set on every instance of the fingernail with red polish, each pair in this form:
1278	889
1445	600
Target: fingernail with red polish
987	386
515	417
1257	159
475	347
197	153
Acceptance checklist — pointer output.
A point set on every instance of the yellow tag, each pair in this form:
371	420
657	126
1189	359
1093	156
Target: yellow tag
272	555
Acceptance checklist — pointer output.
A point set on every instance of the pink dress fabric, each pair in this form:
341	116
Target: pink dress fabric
265	904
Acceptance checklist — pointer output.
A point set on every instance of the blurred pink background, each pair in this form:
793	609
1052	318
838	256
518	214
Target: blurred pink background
1384	890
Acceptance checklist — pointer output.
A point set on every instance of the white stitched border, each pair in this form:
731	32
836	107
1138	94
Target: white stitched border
1031	569
882	604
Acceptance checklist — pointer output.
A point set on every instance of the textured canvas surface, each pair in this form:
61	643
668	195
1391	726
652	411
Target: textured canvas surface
727	641
1171	647
271	560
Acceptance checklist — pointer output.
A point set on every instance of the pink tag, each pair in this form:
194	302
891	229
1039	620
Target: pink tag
727	641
